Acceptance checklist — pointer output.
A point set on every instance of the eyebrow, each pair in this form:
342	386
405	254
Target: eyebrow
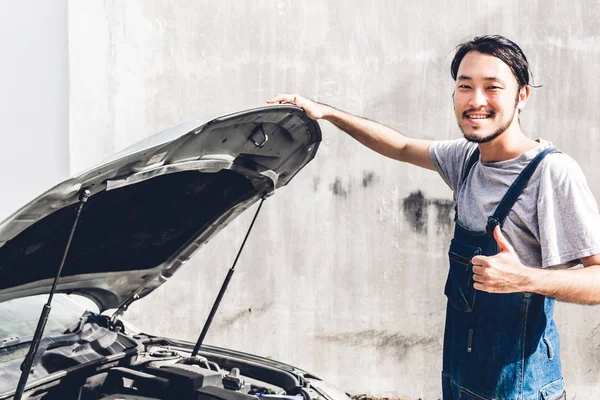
487	78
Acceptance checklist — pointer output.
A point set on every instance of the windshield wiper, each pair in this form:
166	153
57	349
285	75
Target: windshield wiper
213	311
39	330
12	341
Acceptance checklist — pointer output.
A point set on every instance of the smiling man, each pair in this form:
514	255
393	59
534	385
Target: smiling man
524	214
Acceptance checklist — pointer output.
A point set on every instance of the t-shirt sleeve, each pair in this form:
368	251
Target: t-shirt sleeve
568	219
449	158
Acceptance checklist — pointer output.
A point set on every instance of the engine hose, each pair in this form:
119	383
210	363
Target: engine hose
214	365
196	360
302	391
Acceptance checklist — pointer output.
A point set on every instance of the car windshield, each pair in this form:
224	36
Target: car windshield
19	317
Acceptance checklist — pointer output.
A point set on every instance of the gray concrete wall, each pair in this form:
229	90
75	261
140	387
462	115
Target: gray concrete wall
344	272
34	108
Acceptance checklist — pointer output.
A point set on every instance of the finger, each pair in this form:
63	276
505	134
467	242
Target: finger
478	270
478	278
503	244
479	260
282	98
479	286
277	99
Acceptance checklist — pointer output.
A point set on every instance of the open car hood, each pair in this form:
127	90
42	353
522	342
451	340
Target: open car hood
152	206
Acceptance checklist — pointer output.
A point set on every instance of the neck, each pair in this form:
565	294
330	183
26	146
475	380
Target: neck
510	144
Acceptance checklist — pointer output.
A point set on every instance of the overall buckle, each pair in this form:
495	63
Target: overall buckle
491	224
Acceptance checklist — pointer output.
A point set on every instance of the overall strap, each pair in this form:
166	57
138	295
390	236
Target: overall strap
467	169
515	190
470	163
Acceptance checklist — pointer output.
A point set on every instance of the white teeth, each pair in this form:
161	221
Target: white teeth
478	116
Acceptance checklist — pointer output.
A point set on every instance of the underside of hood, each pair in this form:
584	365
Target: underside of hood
152	206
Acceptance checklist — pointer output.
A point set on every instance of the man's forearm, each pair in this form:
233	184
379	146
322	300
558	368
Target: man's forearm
575	286
380	138
375	136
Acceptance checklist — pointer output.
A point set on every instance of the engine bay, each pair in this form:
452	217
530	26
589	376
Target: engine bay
163	369
165	373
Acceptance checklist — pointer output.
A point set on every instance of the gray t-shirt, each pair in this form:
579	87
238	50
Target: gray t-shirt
554	222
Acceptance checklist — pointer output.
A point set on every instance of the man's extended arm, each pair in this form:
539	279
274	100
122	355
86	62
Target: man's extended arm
504	273
575	286
375	136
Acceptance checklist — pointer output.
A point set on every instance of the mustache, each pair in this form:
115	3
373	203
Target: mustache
490	112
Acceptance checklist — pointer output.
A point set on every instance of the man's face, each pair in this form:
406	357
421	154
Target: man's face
486	97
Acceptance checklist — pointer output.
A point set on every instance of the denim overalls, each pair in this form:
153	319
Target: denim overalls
497	346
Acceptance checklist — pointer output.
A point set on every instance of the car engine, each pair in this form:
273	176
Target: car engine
165	370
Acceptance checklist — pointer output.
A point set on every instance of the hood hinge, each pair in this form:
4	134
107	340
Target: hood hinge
122	308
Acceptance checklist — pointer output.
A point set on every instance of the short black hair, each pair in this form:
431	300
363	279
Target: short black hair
497	46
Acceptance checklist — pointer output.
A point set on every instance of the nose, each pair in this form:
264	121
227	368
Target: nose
478	99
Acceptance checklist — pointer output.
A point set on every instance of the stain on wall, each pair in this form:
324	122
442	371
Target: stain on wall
243	314
382	340
444	214
338	188
368	178
415	211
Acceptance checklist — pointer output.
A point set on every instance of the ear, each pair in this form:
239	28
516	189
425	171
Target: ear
524	93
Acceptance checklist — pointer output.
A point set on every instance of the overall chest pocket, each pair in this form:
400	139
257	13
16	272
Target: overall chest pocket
459	285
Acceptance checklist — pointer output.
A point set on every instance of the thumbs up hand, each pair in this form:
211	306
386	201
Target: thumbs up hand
503	272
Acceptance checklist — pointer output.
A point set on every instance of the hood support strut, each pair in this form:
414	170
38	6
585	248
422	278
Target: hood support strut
224	287
39	330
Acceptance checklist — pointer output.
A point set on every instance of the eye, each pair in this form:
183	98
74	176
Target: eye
494	88
464	87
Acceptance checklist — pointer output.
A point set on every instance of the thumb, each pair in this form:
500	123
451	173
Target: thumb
503	244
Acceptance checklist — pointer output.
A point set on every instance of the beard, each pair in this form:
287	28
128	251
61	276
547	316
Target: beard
474	138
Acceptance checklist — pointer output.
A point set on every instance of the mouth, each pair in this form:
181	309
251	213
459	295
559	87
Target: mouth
477	115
